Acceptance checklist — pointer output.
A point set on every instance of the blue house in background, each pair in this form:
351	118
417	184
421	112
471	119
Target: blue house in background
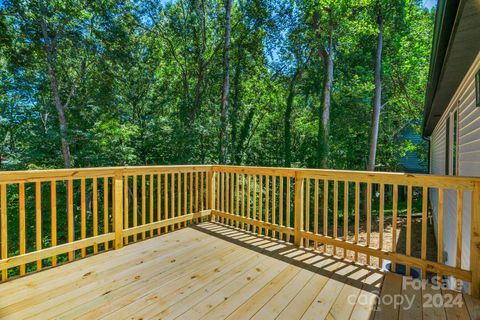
411	162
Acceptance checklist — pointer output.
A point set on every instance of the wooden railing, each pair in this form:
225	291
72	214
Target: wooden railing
53	216
332	211
59	215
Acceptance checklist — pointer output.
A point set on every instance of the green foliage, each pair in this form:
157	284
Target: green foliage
150	89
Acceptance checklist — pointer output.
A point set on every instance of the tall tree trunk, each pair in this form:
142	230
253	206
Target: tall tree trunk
236	103
56	95
377	98
201	47
324	120
287	147
226	84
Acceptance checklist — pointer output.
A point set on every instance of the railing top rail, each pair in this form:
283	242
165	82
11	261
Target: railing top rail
453	182
65	174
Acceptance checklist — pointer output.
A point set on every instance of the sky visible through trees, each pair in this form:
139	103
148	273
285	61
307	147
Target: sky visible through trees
278	83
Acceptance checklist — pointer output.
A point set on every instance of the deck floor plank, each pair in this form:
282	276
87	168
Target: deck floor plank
181	284
276	304
298	305
178	274
433	312
42	282
455	312
98	291
473	306
211	271
392	287
266	269
413	308
176	306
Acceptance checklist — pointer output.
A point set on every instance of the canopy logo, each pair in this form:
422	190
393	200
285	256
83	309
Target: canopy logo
414	293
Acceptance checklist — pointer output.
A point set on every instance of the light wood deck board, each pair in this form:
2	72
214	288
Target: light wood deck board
212	272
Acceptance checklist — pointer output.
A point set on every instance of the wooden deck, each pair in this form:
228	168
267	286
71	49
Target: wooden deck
211	271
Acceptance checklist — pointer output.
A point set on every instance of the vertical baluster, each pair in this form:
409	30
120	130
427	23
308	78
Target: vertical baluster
166	212
227	197
394	222
260	203
150	194
458	233
255	213
237	200
53	212
83	214
307	210
191	193
381	220
267	203
222	195
409	227
159	200
357	214
4	226
441	212
217	190
185	194
335	213
475	240
125	206
248	197
280	208
144	203
70	216
274	205
369	216
242	199
226	194
179	196
95	211
298	215
135	205
315	212
230	206
172	199
38	220
21	199
288	216
210	194
325	211
196	193
345	215
202	195
117	210
424	228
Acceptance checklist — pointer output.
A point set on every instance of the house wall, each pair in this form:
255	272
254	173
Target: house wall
468	162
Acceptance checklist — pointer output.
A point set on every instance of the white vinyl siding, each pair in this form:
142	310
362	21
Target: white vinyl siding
468	162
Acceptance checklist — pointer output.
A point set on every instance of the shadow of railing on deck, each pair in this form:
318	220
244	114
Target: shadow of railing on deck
356	275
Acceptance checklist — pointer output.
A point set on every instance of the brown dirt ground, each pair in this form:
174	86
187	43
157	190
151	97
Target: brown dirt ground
387	239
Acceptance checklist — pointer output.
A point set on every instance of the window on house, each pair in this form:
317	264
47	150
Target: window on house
447	147
477	87
454	143
451	144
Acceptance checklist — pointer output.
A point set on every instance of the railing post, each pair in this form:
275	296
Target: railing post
210	188
475	242
299	189
210	191
118	210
